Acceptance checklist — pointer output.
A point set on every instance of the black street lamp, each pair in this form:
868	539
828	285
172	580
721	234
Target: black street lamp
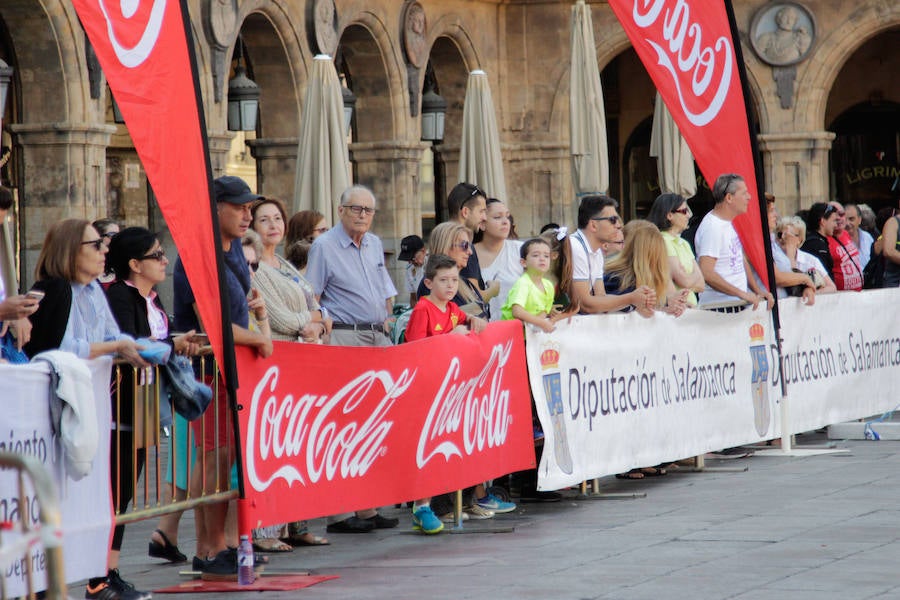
243	97
434	109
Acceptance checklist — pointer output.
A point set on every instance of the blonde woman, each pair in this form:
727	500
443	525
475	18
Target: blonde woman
644	261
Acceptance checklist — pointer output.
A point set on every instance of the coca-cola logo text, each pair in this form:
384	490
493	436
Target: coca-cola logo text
472	413
308	427
695	69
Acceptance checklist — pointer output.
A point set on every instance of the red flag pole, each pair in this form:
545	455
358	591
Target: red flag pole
229	364
763	211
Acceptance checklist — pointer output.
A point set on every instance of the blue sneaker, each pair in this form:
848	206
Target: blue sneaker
492	502
426	521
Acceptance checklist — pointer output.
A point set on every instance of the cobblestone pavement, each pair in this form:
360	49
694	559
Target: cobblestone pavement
793	528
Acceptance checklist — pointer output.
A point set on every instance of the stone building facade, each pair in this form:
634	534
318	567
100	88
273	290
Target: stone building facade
828	106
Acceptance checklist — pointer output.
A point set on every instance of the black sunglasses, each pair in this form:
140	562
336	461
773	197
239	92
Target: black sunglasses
613	220
158	255
829	210
98	243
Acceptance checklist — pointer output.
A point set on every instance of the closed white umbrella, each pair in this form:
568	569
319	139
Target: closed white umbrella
322	156
480	160
587	119
674	161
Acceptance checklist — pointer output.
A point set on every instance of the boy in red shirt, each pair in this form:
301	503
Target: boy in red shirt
436	314
440	314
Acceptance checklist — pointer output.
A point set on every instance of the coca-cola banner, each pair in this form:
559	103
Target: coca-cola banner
329	429
687	48
145	50
615	392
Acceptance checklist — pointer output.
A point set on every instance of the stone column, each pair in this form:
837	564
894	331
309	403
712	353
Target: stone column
539	185
449	155
219	146
65	177
391	170
796	167
276	160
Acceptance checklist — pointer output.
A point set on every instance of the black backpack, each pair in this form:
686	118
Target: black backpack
873	273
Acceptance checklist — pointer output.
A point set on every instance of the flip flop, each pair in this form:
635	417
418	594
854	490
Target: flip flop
654	471
301	540
271	545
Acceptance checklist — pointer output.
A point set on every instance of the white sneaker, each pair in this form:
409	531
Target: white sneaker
477	513
451	518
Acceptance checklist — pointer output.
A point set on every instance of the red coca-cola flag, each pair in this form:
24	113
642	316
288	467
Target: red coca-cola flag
687	48
331	429
145	50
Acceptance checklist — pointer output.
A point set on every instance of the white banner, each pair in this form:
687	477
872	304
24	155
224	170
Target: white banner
841	357
615	392
86	505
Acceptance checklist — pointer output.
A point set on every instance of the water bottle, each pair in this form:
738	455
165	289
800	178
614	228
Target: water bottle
245	561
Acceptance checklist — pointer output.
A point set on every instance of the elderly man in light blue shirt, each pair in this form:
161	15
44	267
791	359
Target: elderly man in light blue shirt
346	268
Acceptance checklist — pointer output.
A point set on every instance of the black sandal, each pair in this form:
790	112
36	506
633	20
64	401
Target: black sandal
167	550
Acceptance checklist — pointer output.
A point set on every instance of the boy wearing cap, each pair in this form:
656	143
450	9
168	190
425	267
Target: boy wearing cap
412	250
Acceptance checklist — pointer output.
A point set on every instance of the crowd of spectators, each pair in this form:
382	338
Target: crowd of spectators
94	294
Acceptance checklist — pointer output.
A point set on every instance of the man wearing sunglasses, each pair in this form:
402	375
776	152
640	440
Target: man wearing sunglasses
347	271
599	235
721	254
467	203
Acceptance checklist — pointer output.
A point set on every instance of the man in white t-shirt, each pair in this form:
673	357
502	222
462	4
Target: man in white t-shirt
599	232
719	250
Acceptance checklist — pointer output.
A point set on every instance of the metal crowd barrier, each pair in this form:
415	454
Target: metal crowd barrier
153	495
22	548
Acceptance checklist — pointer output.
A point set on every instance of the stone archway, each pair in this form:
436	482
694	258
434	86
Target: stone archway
381	119
871	17
59	138
276	64
863	111
451	71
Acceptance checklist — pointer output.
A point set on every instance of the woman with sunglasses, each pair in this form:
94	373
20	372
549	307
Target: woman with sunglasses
455	240
75	316
138	261
672	215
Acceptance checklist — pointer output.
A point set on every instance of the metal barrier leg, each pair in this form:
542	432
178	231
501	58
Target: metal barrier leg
50	518
458	527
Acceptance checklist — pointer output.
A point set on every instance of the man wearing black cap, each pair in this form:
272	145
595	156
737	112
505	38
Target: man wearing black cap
233	198
412	251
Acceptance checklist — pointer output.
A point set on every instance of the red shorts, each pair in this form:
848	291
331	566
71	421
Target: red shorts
215	428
